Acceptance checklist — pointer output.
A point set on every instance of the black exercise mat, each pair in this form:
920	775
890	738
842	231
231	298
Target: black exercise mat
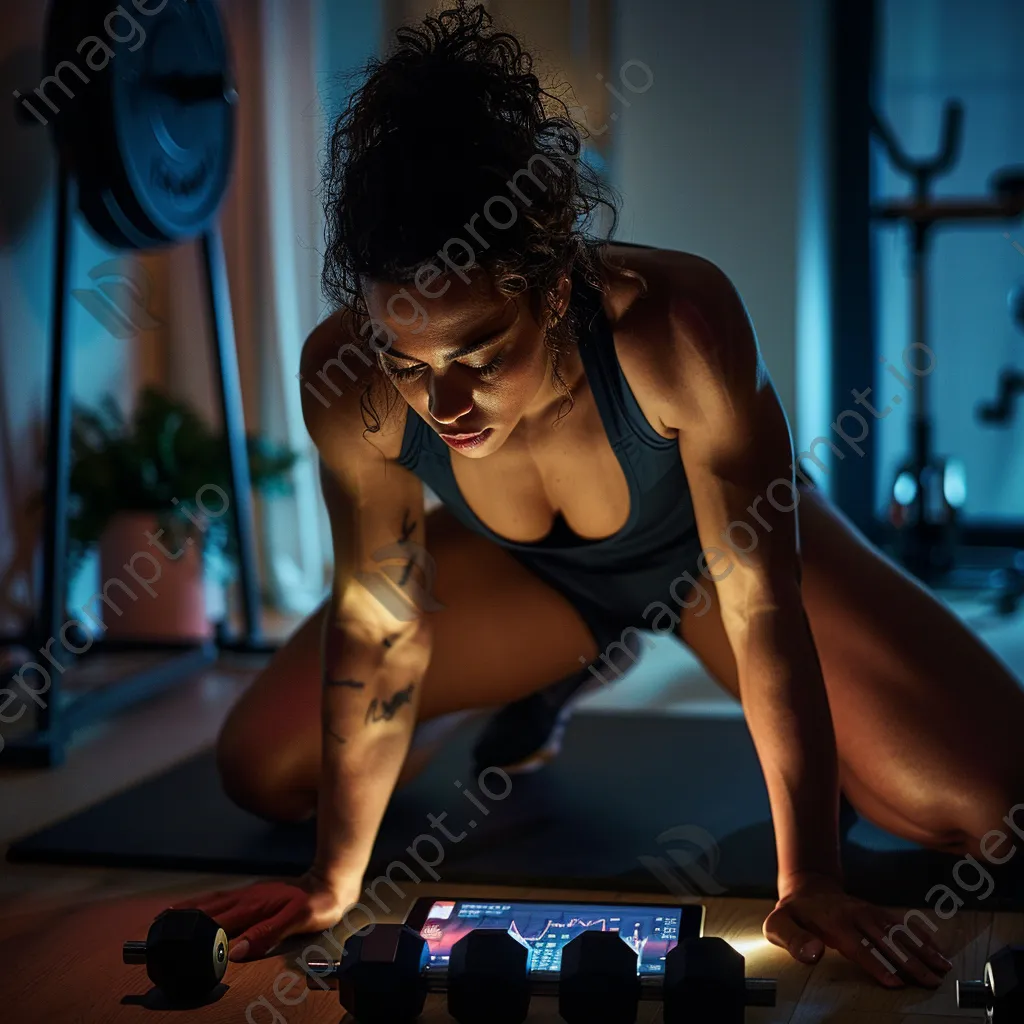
648	803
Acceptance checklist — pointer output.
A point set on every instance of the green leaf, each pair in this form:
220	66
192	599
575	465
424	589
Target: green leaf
164	451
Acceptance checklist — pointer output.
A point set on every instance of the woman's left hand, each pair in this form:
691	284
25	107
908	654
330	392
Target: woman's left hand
816	913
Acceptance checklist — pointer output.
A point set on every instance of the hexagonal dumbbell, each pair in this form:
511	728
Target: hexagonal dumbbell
185	953
383	976
705	979
489	978
598	980
1001	993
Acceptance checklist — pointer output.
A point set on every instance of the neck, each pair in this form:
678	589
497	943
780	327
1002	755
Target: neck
546	405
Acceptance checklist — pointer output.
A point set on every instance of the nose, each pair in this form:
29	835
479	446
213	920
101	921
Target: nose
448	401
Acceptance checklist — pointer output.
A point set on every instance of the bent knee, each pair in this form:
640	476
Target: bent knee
995	827
260	779
990	821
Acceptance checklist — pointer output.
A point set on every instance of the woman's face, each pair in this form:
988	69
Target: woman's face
470	361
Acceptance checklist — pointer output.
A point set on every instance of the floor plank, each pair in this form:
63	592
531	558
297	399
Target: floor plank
839	988
89	912
61	933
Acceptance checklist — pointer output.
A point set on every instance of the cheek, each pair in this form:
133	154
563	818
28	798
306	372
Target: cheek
520	384
529	370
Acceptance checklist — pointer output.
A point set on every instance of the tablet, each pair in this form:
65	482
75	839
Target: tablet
545	927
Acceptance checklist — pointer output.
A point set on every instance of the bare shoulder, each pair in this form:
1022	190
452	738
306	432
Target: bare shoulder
345	395
686	330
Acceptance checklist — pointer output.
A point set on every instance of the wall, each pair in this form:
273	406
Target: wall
725	157
933	50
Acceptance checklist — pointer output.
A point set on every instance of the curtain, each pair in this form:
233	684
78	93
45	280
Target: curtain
271	223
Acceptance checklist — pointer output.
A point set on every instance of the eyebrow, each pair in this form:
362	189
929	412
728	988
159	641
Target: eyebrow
458	353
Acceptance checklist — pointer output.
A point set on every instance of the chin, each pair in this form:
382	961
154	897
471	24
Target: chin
477	453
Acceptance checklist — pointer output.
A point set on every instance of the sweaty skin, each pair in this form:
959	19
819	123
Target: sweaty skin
814	632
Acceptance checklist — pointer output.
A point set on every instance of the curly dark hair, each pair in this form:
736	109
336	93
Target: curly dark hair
453	122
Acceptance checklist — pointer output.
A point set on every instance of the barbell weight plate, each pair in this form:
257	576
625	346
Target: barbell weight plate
72	89
173	117
150	135
79	52
101	212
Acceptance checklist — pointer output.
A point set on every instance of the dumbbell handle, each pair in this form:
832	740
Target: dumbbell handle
134	953
759	991
972	995
322	972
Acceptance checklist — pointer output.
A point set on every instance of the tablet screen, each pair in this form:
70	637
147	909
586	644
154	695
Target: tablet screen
544	928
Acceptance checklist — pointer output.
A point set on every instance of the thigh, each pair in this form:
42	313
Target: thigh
503	633
500	634
927	719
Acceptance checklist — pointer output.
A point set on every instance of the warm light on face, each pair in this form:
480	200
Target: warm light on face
471	361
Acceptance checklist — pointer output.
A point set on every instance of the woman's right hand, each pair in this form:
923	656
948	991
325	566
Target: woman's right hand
257	917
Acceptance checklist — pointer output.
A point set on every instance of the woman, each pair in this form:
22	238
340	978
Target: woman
596	419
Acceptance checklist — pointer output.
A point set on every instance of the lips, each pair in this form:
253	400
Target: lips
463	441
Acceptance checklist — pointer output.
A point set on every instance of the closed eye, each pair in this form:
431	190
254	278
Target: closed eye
405	372
408	373
491	368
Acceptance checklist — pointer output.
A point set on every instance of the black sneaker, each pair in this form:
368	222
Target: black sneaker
525	735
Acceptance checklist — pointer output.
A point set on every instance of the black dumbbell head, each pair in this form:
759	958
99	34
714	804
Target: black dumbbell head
381	977
186	953
1001	993
705	979
1004	976
489	978
598	980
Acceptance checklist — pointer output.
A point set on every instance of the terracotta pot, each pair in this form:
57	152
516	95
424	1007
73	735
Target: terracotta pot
157	595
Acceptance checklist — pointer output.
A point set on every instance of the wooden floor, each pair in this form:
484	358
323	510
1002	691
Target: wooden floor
61	929
61	935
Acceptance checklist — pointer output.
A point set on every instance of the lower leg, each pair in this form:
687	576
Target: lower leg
427	741
522	634
268	750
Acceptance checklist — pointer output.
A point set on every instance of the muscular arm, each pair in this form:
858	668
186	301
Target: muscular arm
736	447
376	638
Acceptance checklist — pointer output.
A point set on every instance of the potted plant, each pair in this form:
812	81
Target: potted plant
153	493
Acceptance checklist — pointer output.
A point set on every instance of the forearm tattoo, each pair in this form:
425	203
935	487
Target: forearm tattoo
407	527
407	572
385	710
